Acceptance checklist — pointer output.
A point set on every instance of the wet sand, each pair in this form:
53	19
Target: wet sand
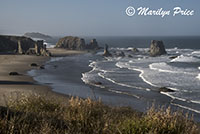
13	86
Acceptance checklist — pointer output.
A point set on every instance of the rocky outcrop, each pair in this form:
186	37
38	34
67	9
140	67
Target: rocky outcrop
92	45
39	49
157	48
33	65
106	52
173	57
135	50
72	43
15	44
76	43
14	73
120	54
22	45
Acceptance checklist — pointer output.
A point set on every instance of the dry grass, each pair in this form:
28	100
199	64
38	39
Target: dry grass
37	115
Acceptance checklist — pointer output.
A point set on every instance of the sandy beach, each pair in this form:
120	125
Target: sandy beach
16	85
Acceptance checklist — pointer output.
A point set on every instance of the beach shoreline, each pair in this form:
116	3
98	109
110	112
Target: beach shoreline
14	86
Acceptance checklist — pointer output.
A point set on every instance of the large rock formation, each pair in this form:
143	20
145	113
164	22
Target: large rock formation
39	49
15	44
76	43
106	52
157	48
22	45
72	43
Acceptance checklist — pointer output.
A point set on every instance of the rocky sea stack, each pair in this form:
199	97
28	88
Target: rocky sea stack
106	52
76	43
157	48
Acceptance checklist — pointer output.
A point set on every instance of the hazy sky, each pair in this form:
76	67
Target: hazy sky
95	17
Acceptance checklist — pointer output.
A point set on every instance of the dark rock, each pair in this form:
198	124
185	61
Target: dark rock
130	56
55	66
157	48
42	67
15	44
31	51
165	89
22	45
92	45
34	65
97	83
135	50
76	43
14	73
39	49
173	57
120	54
72	43
106	52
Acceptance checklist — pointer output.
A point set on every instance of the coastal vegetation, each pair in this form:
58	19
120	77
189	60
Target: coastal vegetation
39	114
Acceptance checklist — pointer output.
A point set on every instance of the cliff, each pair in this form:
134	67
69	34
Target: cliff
9	44
22	45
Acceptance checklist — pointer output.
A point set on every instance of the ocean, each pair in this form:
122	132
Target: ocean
133	80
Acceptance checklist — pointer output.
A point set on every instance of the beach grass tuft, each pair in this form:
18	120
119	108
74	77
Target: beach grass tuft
42	115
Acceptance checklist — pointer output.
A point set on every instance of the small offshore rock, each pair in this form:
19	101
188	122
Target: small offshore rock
119	54
165	89
130	56
173	57
135	50
106	52
97	83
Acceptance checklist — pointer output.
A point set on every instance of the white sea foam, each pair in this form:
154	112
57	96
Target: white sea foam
164	67
186	58
197	102
135	69
120	92
158	66
196	52
198	77
187	108
173	97
156	72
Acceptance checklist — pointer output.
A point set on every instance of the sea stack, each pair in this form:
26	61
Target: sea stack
157	48
92	45
106	52
76	43
20	51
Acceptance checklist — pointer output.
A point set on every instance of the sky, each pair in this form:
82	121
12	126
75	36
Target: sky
96	18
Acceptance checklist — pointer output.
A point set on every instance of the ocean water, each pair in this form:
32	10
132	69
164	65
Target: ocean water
136	76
